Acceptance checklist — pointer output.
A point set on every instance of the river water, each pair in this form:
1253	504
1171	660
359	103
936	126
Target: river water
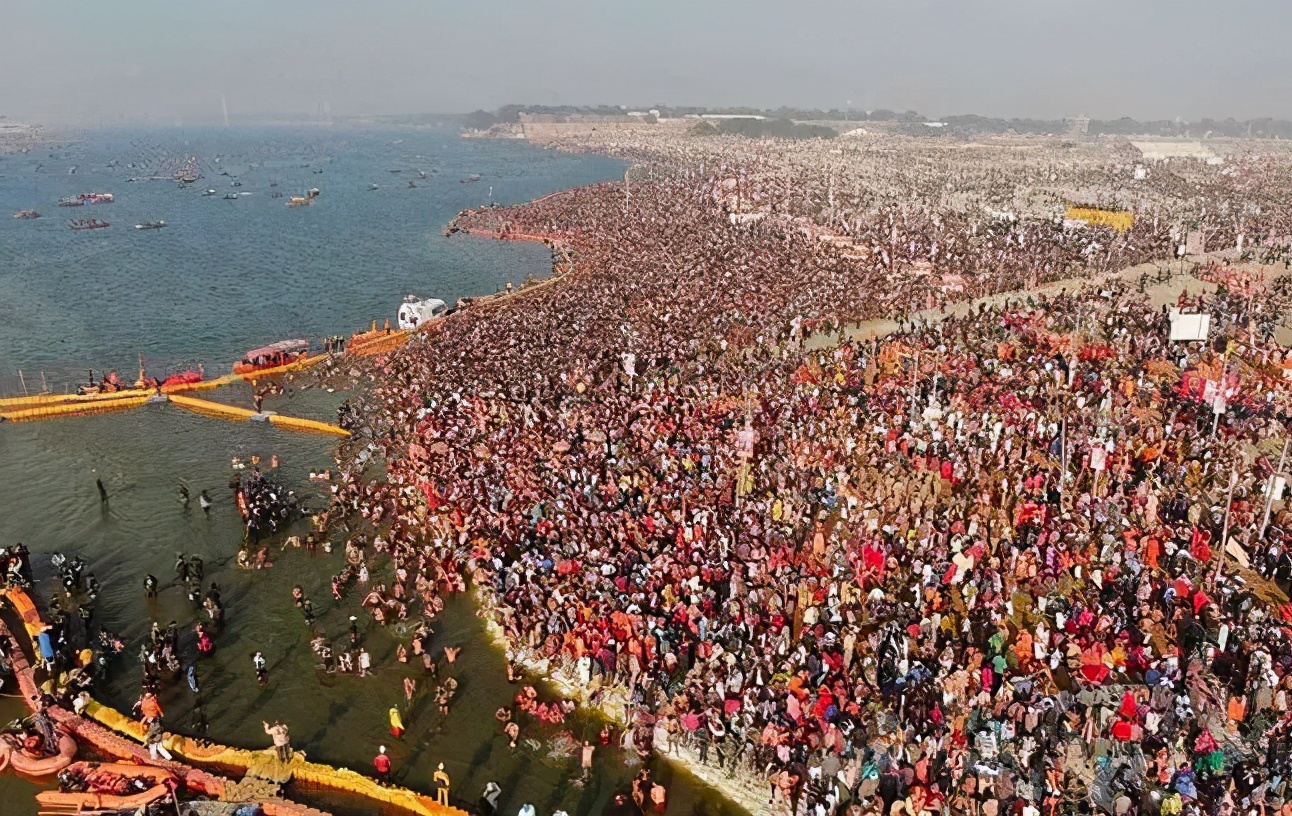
225	276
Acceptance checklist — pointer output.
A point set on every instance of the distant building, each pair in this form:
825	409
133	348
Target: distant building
731	116
1078	126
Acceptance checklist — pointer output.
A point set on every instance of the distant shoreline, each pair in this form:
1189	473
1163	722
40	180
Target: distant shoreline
20	137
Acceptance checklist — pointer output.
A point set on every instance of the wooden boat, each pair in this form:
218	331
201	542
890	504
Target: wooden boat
107	785
16	757
274	355
109	384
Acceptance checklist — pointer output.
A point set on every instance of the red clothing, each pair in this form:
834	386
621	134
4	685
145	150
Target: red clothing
382	763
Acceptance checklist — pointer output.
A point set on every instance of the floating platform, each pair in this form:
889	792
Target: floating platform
78	408
215	409
115	735
200	406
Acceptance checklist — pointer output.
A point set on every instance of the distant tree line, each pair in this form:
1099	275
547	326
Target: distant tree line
783	120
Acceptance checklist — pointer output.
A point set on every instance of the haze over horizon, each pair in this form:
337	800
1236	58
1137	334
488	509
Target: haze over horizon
180	62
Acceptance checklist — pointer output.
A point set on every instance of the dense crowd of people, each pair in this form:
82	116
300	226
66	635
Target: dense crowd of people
1029	555
977	564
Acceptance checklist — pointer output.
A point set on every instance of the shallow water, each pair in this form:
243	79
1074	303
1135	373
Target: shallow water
223	277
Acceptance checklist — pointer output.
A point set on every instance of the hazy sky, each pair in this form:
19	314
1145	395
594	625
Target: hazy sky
84	60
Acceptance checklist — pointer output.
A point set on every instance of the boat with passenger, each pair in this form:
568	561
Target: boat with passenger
415	311
150	225
110	786
88	224
112	382
26	214
189	173
305	200
274	355
86	198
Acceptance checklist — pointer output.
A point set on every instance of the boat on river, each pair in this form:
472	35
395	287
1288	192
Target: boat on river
108	786
113	384
89	224
274	355
150	225
26	214
32	757
189	173
86	198
415	311
305	200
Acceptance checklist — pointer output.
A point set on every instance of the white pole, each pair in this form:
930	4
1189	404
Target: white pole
1269	497
1224	535
1063	463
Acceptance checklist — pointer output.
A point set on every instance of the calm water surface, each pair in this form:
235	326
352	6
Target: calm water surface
224	276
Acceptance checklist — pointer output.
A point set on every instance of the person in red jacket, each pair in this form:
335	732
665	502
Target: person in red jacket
381	762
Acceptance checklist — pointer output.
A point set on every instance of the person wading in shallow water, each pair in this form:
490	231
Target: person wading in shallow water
200	723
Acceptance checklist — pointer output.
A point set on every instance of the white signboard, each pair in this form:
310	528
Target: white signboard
1189	327
1098	457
